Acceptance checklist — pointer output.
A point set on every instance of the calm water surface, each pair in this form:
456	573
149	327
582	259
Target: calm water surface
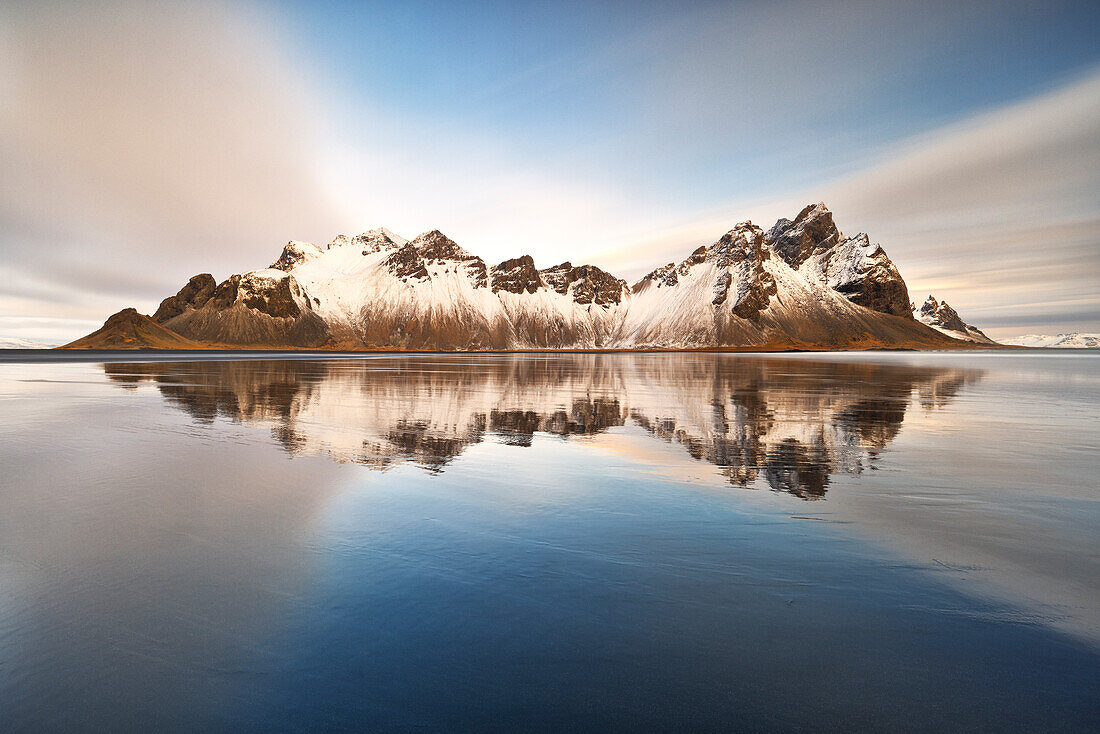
552	542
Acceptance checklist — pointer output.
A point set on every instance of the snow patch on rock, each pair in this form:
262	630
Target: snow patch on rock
1072	340
946	320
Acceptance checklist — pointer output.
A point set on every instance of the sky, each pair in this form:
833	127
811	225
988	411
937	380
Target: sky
142	143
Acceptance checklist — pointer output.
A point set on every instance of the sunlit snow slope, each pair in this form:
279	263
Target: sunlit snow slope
803	284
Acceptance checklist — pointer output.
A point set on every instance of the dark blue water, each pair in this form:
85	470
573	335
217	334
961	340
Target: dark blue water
588	542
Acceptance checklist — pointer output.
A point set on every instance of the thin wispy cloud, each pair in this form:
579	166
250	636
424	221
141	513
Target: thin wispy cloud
142	144
999	213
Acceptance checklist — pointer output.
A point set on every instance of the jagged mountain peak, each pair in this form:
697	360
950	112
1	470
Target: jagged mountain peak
373	240
592	284
295	252
271	291
265	307
812	231
194	294
945	319
431	254
558	277
518	275
378	290
853	266
388	234
941	314
931	305
742	283
587	284
657	277
744	240
435	245
814	211
750	230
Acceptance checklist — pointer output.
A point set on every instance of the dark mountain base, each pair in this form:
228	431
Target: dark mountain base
129	329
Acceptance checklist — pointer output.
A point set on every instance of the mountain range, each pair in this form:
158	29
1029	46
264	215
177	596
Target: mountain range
1073	340
802	284
12	342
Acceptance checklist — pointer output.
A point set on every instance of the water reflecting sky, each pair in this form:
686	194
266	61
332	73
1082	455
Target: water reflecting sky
551	541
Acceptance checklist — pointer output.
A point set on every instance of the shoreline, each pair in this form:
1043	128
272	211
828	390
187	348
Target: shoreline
59	354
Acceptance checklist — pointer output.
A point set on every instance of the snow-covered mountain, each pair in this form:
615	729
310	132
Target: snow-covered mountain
803	284
12	342
849	265
1074	340
946	320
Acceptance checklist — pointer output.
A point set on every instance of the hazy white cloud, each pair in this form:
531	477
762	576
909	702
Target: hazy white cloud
142	144
998	214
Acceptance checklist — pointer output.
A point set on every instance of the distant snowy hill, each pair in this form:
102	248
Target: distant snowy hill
1059	341
800	285
11	342
946	320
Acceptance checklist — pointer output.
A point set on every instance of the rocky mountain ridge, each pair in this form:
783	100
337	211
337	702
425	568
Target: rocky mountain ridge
802	284
1073	340
945	319
850	265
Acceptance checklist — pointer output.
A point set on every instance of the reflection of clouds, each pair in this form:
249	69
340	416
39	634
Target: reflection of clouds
791	423
136	575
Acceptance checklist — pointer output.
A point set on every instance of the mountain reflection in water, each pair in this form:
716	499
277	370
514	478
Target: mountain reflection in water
789	423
